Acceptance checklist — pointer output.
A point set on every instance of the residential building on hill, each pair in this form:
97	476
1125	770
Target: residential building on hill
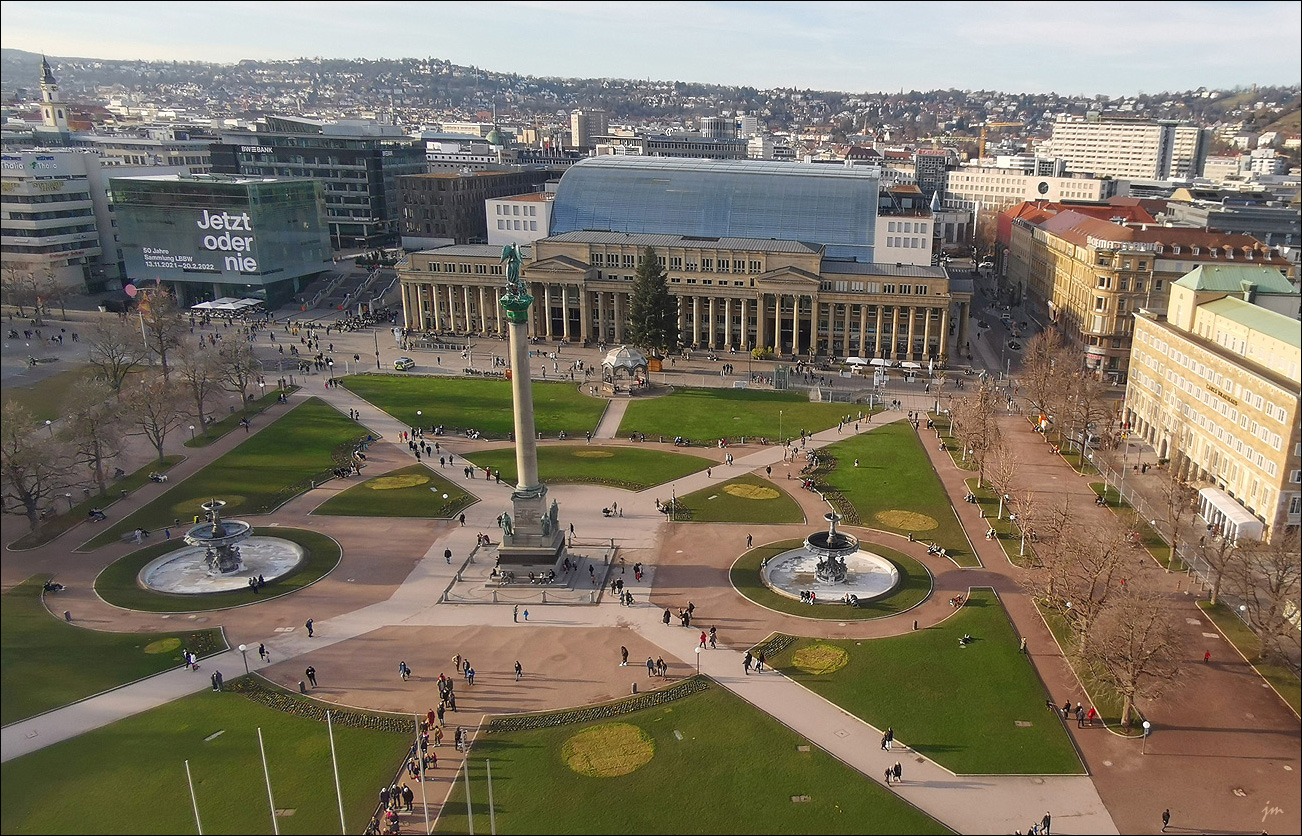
1214	388
1130	147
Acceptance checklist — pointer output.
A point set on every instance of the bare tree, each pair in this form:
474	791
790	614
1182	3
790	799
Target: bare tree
1267	579
1084	566
93	427
974	424
18	286
51	291
163	325
1004	465
1042	374
1089	408
1177	501
1222	556
200	374
116	349
153	409
240	367
1134	648
33	469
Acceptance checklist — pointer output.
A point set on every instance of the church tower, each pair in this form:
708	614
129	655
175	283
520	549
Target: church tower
53	112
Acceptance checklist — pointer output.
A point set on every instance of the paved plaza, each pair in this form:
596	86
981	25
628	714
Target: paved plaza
1224	756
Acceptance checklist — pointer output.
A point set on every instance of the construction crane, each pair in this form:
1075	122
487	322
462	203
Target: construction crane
981	153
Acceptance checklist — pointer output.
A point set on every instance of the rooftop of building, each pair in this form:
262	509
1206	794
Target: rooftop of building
1273	324
683	164
840	267
1231	278
1187	242
647	239
476	251
532	197
221	179
457	175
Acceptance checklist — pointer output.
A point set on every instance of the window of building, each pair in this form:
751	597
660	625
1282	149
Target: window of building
707	265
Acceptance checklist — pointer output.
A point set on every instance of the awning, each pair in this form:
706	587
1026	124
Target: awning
855	361
1219	508
907	364
877	361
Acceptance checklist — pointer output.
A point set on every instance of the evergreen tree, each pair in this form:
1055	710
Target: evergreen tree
653	312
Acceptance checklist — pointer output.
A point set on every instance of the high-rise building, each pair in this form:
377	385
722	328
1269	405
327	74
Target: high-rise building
449	208
1130	148
987	186
585	124
718	127
929	171
1214	388
211	235
49	216
357	162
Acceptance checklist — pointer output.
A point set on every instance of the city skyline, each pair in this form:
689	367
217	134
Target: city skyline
856	47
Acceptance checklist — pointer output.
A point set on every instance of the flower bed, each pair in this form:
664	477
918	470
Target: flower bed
775	644
651	699
281	700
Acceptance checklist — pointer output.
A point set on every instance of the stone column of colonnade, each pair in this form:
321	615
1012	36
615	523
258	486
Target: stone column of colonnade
618	317
547	311
714	323
926	333
944	330
585	315
881	321
603	317
729	342
895	331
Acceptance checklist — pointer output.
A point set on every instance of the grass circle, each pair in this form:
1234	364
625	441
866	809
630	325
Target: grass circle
163	646
820	659
608	750
393	483
594	454
908	520
745	491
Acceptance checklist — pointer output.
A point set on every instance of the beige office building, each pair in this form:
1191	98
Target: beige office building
733	294
1137	149
1214	387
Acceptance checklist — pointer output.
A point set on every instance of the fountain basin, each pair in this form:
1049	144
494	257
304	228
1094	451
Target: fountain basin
868	576
186	572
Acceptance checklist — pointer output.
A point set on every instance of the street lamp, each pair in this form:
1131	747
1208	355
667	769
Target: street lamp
192	432
68	497
1143	747
49	425
244	652
698	658
262	389
779	426
418	414
376	335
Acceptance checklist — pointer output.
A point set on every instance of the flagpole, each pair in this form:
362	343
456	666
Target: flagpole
424	803
193	801
334	763
275	827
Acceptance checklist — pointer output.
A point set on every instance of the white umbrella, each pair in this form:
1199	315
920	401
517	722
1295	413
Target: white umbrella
856	361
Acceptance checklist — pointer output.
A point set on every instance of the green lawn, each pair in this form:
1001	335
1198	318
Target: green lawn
915	586
218	429
485	405
976	710
1283	680
47	663
746	499
260	474
54	526
894	488
117	583
632	468
44	398
717	765
706	415
135	780
1010	536
1106	701
414	491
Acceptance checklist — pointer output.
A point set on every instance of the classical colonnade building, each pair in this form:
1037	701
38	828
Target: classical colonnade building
733	294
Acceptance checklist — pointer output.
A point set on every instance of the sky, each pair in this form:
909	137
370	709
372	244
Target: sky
1080	48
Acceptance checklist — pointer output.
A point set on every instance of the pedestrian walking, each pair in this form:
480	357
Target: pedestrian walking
311	675
713	636
650	666
704	638
1080	716
889	738
623	656
1023	647
899	772
1166	819
890	773
526	615
1207	657
519	671
308	625
216	686
666	618
262	651
1044	824
759	662
749	540
447	555
1089	717
515	613
745	662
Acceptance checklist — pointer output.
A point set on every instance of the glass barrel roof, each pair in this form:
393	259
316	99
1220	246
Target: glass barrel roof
834	206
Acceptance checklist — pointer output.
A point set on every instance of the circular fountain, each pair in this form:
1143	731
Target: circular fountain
831	565
220	556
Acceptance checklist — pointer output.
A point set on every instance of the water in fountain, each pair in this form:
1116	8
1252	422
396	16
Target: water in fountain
833	566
